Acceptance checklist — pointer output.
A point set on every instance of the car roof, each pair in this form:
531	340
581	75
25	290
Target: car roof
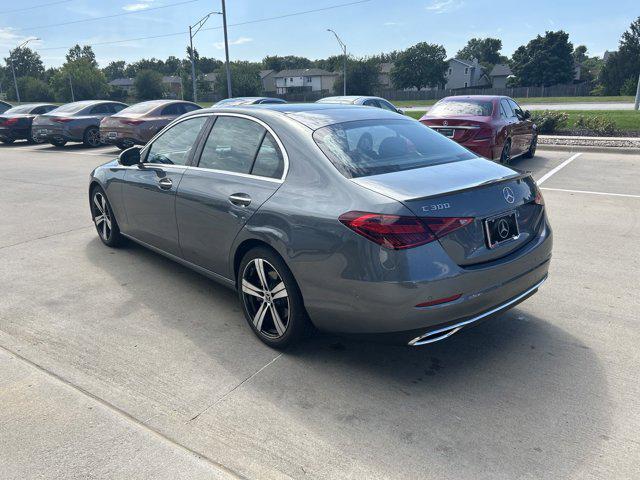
341	99
246	100
312	115
475	97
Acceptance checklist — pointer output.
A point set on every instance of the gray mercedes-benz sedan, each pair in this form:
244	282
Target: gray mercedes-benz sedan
350	219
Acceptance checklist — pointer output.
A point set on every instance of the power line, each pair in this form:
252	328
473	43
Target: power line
175	34
42	5
115	15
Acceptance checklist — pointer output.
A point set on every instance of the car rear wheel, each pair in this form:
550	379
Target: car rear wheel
8	141
271	299
505	156
34	139
532	147
104	220
92	137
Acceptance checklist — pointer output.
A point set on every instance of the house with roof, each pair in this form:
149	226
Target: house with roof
384	75
172	85
499	74
465	74
311	79
268	81
125	84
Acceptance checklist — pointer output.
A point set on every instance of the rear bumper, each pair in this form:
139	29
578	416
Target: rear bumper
14	133
389	307
118	135
48	133
484	148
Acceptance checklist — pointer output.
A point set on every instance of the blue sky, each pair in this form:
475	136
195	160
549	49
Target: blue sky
369	27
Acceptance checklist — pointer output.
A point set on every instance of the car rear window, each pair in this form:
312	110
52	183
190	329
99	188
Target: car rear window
479	108
373	147
143	107
20	109
71	107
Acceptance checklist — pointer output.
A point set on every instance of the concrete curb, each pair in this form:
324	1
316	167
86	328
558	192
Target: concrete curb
593	149
601	144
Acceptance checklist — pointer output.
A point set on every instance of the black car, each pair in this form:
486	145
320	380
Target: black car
15	123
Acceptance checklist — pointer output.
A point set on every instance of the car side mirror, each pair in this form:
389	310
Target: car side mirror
400	111
131	156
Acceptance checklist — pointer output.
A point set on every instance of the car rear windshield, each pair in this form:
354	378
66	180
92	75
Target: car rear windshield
20	109
373	147
70	107
479	108
143	107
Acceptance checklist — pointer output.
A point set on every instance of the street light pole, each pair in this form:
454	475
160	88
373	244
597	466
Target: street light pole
226	48
13	70
344	65
193	30
637	105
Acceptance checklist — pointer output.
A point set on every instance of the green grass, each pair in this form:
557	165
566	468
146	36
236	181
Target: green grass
529	101
627	120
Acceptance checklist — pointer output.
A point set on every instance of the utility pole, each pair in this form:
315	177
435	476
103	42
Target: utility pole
193	30
226	48
13	70
637	105
73	97
344	65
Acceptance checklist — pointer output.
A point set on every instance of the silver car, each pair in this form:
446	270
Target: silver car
74	122
376	102
350	219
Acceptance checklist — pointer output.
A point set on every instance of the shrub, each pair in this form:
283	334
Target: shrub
629	86
596	124
549	121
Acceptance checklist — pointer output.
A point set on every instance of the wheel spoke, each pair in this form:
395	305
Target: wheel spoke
104	230
279	291
108	221
259	263
98	219
259	316
96	201
251	289
277	322
104	204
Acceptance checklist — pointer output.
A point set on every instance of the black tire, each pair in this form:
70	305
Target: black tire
91	137
34	140
505	156
107	229
58	143
532	147
289	309
8	141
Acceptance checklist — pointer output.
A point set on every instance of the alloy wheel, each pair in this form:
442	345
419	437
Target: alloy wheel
93	137
102	216
265	298
506	153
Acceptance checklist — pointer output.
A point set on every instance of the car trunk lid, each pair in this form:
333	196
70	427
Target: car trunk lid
459	128
478	189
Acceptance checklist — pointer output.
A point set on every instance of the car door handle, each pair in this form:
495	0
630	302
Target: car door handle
165	183
240	199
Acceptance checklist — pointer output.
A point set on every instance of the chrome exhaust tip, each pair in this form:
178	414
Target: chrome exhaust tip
434	336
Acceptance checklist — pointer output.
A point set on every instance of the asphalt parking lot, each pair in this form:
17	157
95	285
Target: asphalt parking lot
121	364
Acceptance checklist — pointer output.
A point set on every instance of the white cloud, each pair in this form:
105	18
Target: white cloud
136	7
392	24
444	6
239	41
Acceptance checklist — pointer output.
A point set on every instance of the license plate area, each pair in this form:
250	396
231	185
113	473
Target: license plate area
112	135
447	132
501	228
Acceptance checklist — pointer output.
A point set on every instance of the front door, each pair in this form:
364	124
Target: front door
240	166
149	189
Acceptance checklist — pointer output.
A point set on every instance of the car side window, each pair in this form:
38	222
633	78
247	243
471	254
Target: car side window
38	110
173	109
232	145
371	103
116	107
187	107
100	109
507	109
269	161
516	108
175	144
387	106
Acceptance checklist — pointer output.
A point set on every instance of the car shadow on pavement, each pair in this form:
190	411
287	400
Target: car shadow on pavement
514	397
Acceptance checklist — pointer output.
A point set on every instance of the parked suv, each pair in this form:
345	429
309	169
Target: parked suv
75	122
494	127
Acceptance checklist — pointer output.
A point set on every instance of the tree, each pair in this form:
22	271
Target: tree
34	90
245	79
544	61
148	85
420	66
114	70
580	54
623	67
485	50
26	63
82	53
362	77
89	82
289	62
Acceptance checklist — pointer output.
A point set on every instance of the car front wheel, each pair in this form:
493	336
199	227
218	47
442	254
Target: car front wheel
271	299
532	147
104	220
505	156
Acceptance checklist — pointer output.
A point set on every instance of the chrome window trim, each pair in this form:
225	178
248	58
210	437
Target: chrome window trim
285	155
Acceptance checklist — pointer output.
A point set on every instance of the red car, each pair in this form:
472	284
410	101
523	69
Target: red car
494	127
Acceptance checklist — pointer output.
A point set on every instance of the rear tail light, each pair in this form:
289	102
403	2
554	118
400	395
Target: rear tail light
484	133
539	199
439	301
131	122
10	121
398	232
62	120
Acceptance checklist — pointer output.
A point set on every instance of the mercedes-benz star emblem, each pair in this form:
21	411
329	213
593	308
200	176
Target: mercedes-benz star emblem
503	229
508	194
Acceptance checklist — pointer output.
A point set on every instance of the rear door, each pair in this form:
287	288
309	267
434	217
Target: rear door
149	190
241	164
512	127
524	126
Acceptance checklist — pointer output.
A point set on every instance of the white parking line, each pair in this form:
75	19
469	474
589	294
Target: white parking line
548	175
591	193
